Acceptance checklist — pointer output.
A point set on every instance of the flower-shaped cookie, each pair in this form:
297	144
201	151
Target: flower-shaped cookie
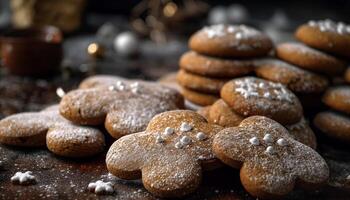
34	129
124	106
169	155
270	161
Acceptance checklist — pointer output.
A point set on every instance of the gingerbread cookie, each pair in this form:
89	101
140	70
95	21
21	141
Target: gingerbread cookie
296	79
271	163
169	156
169	80
47	127
309	58
302	132
123	106
338	98
198	98
204	111
200	83
253	96
334	125
221	114
100	80
213	66
326	35
230	41
347	75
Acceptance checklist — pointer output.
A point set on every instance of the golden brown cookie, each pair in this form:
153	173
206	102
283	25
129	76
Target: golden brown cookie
230	41
302	132
271	162
170	80
200	83
296	79
338	98
347	75
214	67
100	80
123	106
33	129
199	98
250	96
309	58
204	111
221	114
169	156
326	35
334	125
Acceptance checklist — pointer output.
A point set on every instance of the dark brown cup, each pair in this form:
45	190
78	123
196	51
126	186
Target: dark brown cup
32	52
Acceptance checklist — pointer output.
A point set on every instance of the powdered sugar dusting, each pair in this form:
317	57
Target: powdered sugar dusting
331	26
239	31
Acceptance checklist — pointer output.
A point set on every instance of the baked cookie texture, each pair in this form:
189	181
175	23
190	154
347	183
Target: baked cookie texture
48	128
230	41
326	35
250	96
199	98
271	162
169	155
123	106
338	98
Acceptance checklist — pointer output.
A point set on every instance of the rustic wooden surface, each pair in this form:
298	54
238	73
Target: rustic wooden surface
60	178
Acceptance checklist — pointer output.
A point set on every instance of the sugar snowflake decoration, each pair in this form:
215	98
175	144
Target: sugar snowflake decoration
25	178
100	187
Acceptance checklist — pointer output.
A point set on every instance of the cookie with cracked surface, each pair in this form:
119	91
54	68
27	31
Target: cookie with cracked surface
326	35
213	66
169	155
271	162
309	58
230	41
250	96
123	106
296	79
47	127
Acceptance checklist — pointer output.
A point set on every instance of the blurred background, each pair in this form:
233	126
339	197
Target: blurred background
138	39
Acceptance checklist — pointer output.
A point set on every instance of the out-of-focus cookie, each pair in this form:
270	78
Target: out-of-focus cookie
221	114
199	98
169	155
271	162
200	83
250	96
49	128
124	107
296	79
169	80
214	66
347	75
327	35
302	132
334	125
338	98
230	41
204	111
309	58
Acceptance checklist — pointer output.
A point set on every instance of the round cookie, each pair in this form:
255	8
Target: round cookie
169	80
169	155
296	79
204	111
347	75
200	83
198	98
334	125
230	41
221	114
250	96
214	67
302	132
338	98
271	162
326	35
308	58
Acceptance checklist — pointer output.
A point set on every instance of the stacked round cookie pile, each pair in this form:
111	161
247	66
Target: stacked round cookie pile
309	64
218	54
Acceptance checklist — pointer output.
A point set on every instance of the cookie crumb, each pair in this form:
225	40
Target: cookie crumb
25	178
254	141
270	150
185	127
201	136
282	142
168	131
100	187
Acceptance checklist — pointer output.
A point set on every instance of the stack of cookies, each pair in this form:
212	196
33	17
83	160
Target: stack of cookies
219	53
311	63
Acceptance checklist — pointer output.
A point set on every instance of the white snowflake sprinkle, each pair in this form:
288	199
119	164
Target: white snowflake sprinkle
60	92
185	140
178	145
100	187
270	150
254	141
168	131
282	142
201	136
268	138
23	178
185	127
159	139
